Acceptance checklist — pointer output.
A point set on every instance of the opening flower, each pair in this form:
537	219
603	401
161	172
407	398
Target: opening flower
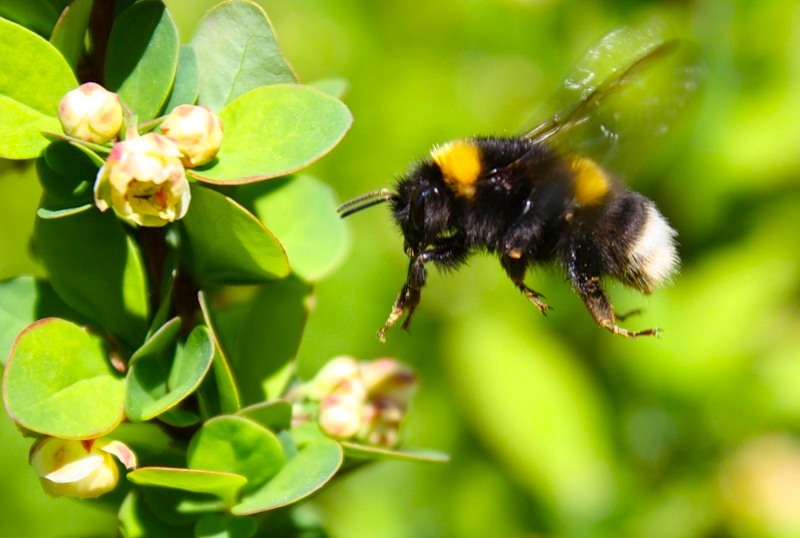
364	401
91	113
82	469
144	181
196	130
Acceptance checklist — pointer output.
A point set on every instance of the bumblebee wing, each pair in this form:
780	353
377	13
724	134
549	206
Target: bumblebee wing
629	86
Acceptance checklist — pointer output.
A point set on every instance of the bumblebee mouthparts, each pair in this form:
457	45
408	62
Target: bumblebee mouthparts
364	201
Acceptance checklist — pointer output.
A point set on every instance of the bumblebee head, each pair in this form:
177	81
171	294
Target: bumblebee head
420	206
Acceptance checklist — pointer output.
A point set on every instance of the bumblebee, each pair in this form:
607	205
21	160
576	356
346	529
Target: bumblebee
533	199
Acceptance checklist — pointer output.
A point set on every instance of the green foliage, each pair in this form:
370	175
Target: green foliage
142	317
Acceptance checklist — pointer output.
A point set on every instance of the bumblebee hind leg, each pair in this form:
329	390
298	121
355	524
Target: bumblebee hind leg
515	267
583	264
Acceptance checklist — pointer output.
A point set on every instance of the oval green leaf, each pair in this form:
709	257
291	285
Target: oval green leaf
223	485
227	391
235	444
185	89
58	382
275	415
237	52
69	34
142	57
309	470
364	452
264	334
97	269
33	79
228	244
24	300
159	340
217	526
301	211
156	384
275	130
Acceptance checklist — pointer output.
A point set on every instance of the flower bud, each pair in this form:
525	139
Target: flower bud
144	181
336	372
388	378
82	469
340	414
196	130
91	113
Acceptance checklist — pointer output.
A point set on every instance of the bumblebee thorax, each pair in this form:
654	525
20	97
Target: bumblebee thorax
460	162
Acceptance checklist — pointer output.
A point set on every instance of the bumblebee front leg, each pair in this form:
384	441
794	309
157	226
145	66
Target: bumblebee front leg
449	252
584	273
515	268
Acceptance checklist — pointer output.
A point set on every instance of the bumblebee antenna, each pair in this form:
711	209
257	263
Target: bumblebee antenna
364	201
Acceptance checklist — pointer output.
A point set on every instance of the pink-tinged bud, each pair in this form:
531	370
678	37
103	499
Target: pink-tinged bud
91	113
381	422
389	379
335	373
144	181
340	414
196	130
82	469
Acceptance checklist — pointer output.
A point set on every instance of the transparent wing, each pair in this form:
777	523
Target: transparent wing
629	87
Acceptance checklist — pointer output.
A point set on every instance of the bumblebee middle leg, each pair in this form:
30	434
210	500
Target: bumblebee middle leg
515	268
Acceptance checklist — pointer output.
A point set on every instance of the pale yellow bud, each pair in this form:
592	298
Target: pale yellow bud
196	130
144	181
91	113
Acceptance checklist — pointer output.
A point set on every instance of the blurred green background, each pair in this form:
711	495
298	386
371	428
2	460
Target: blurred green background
556	428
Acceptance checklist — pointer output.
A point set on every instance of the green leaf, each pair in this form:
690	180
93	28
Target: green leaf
301	211
305	473
156	384
275	415
225	527
185	89
24	300
223	485
364	452
264	334
274	130
58	382
142	57
163	337
37	15
227	392
228	244
69	35
235	444
138	520
237	52
97	269
33	79
45	213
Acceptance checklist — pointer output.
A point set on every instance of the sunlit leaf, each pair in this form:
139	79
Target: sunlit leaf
155	383
274	130
236	52
301	211
228	244
235	444
305	473
223	485
33	78
58	382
